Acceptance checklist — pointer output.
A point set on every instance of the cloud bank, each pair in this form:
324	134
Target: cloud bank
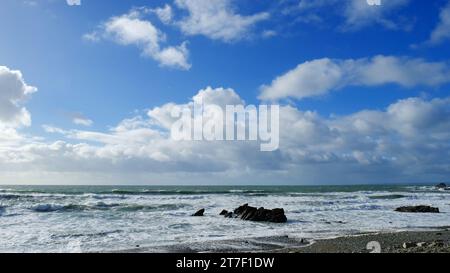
322	76
406	141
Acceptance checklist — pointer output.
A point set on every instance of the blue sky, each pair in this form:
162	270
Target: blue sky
84	68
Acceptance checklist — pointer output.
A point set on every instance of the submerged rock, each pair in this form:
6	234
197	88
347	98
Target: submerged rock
441	186
419	209
249	213
199	213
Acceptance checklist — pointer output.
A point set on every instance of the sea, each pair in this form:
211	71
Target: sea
120	218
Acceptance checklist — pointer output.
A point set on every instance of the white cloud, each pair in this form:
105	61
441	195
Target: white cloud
216	19
129	29
269	33
165	14
357	14
132	29
161	116
82	121
52	129
407	140
92	36
442	30
174	56
217	96
73	2
13	93
321	76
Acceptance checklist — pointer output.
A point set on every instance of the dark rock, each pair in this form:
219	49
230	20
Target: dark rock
199	213
229	215
249	213
441	186
421	209
224	212
408	245
246	212
241	209
278	216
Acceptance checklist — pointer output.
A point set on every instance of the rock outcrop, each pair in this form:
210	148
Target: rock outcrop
249	213
229	215
418	209
199	213
224	212
441	186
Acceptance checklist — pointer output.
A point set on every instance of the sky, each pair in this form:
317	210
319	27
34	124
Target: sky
87	88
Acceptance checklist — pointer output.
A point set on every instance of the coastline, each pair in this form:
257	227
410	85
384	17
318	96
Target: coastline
436	240
430	241
159	220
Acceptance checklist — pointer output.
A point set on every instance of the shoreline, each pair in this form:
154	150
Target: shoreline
430	241
435	240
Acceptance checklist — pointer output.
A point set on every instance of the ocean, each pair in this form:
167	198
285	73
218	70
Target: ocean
114	218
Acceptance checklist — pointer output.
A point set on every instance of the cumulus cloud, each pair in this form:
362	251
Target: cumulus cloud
162	116
133	29
407	140
13	93
216	19
135	145
321	76
218	96
442	31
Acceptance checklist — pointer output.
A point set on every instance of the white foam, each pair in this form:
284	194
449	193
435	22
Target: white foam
310	215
